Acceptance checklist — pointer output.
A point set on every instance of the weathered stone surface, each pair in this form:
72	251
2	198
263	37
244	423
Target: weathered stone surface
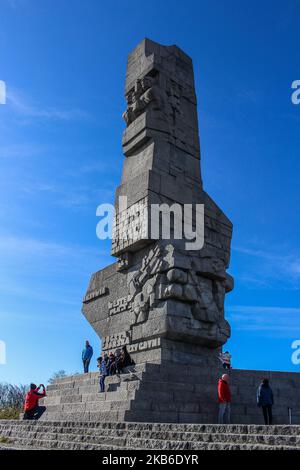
153	393
162	300
158	288
116	436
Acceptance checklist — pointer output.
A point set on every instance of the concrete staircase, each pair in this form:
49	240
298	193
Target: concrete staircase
146	436
77	398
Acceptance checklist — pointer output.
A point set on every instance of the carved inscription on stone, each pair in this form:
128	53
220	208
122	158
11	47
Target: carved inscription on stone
116	341
95	294
119	305
124	338
143	345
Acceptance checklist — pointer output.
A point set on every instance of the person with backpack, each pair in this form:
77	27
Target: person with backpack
265	400
103	373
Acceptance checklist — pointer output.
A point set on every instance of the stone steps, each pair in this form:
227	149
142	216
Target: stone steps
88	398
292	430
110	436
118	438
26	443
139	444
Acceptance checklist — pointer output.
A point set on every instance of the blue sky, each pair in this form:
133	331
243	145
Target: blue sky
60	156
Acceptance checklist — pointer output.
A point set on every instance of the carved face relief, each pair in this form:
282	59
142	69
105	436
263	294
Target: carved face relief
146	82
139	98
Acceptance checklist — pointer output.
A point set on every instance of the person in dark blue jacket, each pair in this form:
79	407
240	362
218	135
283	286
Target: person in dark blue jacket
103	373
265	400
87	356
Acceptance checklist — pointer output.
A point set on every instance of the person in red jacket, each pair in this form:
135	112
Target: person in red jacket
32	410
224	396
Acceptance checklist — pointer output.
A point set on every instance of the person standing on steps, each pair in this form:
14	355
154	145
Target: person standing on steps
111	364
32	410
126	358
265	400
225	358
224	396
103	373
87	354
119	361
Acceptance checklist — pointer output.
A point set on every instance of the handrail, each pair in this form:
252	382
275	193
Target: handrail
290	414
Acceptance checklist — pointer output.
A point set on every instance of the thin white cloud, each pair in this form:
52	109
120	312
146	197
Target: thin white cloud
23	108
12	3
105	165
16	3
280	264
31	246
273	256
276	321
86	198
68	196
21	150
47	271
258	309
35	292
58	319
295	267
250	97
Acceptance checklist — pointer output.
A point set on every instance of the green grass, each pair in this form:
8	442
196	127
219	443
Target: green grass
4	440
10	413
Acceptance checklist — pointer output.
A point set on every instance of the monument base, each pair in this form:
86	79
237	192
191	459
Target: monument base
173	393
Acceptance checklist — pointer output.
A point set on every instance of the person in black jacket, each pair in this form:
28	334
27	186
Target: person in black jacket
119	361
265	400
127	361
111	364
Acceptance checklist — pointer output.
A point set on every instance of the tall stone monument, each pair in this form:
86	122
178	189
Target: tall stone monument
164	295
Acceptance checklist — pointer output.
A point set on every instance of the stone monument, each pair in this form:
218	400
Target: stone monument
164	296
